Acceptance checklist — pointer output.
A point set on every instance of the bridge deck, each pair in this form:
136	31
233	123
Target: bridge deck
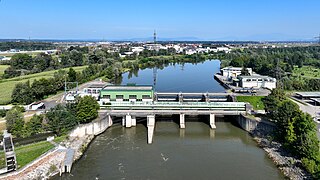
164	108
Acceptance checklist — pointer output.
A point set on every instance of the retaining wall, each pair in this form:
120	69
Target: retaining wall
253	124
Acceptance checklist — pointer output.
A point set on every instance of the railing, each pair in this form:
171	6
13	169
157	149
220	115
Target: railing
241	106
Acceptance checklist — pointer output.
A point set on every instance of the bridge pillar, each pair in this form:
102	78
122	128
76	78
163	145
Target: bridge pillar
182	121
123	121
110	122
212	121
150	123
128	121
133	121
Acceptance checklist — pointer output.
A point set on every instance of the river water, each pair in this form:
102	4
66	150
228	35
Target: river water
194	153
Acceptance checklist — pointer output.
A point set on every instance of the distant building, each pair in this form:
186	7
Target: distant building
93	90
257	82
233	72
126	93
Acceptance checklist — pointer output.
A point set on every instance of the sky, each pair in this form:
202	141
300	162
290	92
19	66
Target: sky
180	19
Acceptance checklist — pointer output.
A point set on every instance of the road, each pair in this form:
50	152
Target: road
310	109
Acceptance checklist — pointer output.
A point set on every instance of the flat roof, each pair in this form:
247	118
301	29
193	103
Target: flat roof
129	88
100	85
316	100
308	94
255	77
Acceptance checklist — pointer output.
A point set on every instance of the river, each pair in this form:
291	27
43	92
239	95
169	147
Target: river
194	153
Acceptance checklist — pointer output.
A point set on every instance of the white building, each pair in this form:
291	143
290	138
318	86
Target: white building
257	82
233	72
93	90
137	49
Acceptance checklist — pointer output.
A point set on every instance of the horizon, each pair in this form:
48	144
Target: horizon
188	20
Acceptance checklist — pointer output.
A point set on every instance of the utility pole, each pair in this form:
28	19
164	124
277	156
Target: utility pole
155	69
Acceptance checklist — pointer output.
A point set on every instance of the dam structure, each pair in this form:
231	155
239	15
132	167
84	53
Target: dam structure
130	102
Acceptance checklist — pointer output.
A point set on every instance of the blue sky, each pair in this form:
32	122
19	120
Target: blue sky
126	19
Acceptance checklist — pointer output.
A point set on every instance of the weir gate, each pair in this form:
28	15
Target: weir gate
181	104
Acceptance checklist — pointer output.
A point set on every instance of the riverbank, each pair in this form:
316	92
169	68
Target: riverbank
289	165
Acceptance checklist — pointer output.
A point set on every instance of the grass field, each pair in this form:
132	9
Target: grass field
255	101
7	85
2	68
26	154
307	72
2	160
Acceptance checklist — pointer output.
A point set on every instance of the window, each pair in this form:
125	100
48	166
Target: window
106	96
254	79
132	96
89	91
146	97
259	79
119	96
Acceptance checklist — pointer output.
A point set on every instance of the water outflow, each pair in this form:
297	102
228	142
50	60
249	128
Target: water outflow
197	152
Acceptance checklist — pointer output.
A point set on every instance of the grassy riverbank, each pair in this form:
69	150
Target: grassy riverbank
255	101
26	154
7	85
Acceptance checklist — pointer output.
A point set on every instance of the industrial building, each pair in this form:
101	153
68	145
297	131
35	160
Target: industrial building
257	82
126	93
233	72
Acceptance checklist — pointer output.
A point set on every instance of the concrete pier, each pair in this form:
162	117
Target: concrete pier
182	121
123	121
212	121
128	121
110	122
150	123
133	121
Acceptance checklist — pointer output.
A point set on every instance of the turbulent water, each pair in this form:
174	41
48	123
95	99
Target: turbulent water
197	152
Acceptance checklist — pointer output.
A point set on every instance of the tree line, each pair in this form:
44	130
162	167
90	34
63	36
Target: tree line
59	120
295	129
26	46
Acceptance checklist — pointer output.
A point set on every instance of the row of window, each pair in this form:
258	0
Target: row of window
260	80
130	97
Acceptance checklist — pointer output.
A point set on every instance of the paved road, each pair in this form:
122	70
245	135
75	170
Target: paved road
310	109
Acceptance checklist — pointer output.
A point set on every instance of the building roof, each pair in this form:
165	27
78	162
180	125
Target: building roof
308	94
316	100
129	88
100	85
254	77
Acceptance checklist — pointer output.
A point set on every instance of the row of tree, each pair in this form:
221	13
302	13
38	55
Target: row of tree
58	120
296	130
26	45
26	93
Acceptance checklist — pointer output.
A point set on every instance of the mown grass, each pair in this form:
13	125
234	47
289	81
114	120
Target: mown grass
7	85
306	72
26	154
255	101
2	68
2	160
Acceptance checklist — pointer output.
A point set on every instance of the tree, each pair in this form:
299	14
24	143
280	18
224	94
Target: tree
60	120
34	126
272	101
245	72
285	119
14	121
22	93
87	109
306	144
72	75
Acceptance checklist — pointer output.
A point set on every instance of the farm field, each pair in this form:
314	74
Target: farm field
7	85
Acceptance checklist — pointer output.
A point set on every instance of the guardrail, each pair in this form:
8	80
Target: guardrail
176	105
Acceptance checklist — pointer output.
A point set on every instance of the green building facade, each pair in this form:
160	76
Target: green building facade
126	93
